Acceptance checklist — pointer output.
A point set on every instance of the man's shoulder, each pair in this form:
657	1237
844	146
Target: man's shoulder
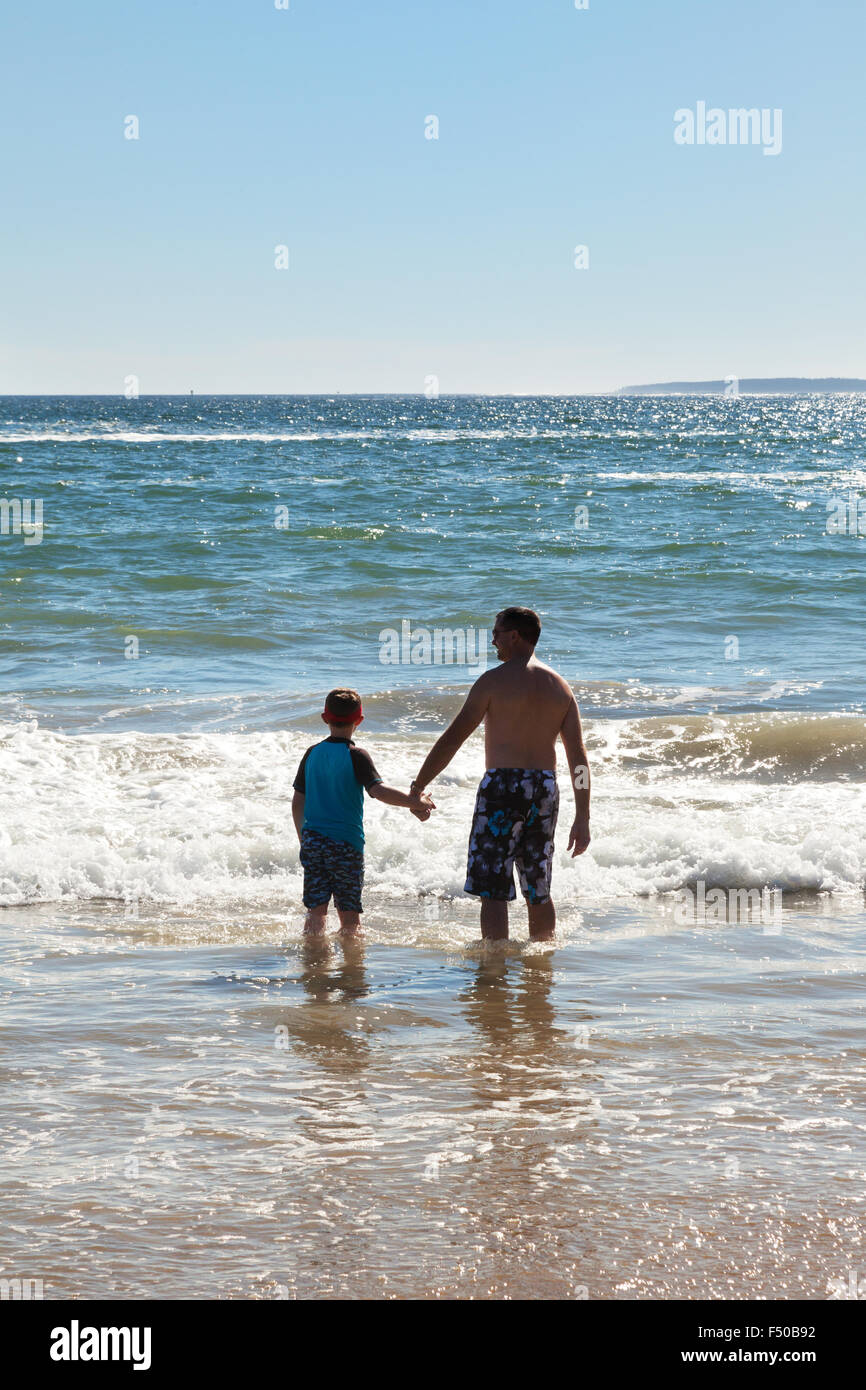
485	686
535	672
548	686
553	676
487	678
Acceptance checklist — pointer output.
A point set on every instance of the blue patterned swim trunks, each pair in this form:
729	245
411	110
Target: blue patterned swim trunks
331	867
514	824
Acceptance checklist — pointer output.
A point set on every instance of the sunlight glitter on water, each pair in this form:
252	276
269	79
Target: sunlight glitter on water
646	1112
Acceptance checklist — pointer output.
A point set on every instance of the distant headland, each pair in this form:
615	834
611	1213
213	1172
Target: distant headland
748	385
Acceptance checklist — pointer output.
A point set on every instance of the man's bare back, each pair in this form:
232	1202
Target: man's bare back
526	705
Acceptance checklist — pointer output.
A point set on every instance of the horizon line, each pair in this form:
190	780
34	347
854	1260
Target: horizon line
650	389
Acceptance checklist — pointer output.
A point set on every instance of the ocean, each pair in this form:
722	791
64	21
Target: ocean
666	1103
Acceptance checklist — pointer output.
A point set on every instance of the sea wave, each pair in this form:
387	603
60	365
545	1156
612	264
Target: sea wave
205	818
776	747
421	708
630	438
431	436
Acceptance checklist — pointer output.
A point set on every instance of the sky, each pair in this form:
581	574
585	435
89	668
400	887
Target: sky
409	257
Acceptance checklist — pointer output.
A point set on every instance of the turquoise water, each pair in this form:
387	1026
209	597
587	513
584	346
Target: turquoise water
706	520
207	568
201	1103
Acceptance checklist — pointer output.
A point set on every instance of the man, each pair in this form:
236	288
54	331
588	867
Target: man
525	706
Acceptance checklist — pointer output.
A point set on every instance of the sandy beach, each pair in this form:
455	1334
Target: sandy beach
647	1111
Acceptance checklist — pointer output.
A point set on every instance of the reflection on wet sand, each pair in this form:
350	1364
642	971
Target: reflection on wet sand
529	1056
333	967
637	1114
326	1026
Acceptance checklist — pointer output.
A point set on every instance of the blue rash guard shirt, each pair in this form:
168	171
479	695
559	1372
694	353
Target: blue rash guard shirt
332	777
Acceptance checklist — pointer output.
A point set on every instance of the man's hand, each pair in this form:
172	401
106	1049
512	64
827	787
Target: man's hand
421	804
578	836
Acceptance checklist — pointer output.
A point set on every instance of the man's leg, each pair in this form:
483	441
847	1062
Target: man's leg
494	919
315	923
534	858
488	868
542	920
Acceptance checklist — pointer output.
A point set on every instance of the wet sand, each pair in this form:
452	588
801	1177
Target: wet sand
203	1108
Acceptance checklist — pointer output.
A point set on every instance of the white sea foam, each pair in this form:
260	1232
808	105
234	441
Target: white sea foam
198	818
115	436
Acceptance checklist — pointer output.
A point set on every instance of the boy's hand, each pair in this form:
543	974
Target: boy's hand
421	804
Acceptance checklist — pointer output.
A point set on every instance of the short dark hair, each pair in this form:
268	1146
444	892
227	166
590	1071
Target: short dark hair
524	621
343	704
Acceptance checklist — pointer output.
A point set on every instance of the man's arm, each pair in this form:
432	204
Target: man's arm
571	734
298	800
458	731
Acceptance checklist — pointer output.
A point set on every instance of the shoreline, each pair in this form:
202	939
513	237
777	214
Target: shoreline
638	1112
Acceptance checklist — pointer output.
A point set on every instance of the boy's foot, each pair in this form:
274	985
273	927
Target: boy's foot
316	920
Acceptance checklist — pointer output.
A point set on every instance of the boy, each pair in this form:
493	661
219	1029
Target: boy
328	811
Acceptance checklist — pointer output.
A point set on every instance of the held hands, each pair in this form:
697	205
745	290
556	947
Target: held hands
421	804
579	835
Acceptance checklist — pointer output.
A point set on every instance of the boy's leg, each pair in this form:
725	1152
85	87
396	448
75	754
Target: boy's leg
347	878
317	889
494	919
350	922
316	918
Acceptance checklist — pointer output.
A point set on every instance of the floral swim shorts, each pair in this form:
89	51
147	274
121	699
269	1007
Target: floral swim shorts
514	824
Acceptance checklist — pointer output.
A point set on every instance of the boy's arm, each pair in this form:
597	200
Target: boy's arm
419	803
299	787
571	734
366	773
